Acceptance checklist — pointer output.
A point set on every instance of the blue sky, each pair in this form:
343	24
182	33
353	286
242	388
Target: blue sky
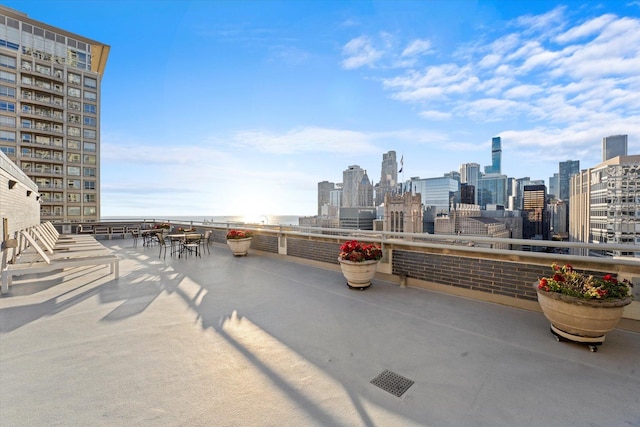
242	107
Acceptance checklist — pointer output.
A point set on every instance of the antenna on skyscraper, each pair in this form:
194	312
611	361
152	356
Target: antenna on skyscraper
400	171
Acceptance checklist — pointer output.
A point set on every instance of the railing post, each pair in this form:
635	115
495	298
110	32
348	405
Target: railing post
282	242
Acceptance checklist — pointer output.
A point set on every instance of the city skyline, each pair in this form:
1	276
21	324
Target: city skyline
241	108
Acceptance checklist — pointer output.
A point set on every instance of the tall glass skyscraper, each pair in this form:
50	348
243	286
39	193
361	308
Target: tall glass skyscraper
614	146
496	156
567	170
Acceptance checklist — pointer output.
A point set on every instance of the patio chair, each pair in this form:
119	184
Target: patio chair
205	241
163	245
191	244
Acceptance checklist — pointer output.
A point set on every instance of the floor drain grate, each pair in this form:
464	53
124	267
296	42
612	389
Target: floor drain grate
392	382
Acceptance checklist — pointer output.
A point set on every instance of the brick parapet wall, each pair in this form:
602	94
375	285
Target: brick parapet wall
265	243
497	277
314	250
260	242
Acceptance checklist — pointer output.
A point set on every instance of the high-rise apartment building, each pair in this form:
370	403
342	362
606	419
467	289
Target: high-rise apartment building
567	169
604	204
613	146
50	113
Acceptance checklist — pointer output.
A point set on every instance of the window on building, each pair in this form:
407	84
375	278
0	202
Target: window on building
9	92
26	138
73	197
89	185
89	159
8	106
89	198
73	183
7	136
7	121
90	95
89	133
43	69
9	151
73	157
89	210
7	77
89	172
73	105
90	108
8	61
73	170
73	78
73	144
73	210
90	82
89	121
89	146
73	91
73	131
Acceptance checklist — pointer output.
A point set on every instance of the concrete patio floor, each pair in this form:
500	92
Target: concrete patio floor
262	341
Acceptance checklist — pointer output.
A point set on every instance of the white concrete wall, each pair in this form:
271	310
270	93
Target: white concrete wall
20	210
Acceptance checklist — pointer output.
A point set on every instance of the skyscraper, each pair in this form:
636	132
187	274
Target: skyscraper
50	112
496	156
388	176
553	185
604	205
469	174
566	170
613	146
324	194
365	191
536	223
492	189
351	180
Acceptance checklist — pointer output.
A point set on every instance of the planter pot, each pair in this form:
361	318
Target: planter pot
580	320
239	247
359	274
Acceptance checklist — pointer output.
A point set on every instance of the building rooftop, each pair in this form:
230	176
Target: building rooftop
260	340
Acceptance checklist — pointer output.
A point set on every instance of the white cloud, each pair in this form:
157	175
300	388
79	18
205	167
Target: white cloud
360	52
435	115
550	21
523	91
417	47
589	28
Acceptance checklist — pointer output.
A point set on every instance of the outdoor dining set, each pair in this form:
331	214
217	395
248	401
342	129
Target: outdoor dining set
179	243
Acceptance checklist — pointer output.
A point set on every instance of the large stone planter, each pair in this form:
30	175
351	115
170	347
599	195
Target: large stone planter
359	274
239	247
580	320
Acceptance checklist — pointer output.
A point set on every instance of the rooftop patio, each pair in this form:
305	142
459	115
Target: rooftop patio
261	340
